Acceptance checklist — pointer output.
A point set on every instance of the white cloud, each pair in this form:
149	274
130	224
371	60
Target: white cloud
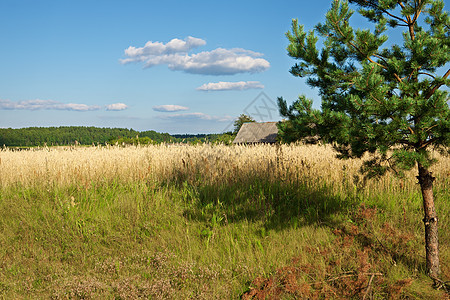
39	104
196	116
227	86
175	55
169	108
116	106
158	49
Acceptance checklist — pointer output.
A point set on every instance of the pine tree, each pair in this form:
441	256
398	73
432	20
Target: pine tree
381	96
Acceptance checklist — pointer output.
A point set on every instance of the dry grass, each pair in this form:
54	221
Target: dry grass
68	166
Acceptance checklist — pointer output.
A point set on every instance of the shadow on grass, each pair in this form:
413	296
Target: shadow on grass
277	204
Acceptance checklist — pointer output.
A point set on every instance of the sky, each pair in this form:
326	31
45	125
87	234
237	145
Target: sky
169	66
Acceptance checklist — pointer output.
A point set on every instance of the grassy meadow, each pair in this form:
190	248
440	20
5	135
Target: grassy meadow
212	222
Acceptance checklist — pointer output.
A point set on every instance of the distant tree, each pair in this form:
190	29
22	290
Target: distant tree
243	118
377	97
224	138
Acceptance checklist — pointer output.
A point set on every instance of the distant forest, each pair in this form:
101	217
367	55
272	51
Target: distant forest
70	135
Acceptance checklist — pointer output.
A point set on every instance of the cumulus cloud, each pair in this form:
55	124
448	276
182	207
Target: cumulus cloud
159	49
39	104
175	55
169	108
116	106
196	116
227	86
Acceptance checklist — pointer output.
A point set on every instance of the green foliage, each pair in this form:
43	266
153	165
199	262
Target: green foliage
214	138
243	118
156	136
225	138
134	141
70	135
376	96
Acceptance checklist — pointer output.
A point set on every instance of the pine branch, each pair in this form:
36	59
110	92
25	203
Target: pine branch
405	142
412	73
433	90
427	143
417	11
338	29
394	16
360	51
423	73
410	23
373	97
381	57
387	12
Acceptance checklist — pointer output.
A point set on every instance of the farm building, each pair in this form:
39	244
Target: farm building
251	133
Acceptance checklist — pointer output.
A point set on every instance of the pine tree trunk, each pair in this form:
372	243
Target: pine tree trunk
431	222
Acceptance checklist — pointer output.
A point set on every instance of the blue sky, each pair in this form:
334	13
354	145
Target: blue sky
169	66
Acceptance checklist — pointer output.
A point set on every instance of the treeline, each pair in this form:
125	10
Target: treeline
72	135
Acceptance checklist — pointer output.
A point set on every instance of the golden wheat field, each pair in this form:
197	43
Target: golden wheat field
209	163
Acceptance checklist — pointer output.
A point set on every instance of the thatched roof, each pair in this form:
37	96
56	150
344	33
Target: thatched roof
257	133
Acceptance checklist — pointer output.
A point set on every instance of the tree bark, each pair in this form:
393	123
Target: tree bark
431	222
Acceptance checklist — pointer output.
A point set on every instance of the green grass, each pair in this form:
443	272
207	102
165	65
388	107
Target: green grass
184	239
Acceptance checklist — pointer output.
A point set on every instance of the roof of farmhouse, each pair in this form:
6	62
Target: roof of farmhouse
253	132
